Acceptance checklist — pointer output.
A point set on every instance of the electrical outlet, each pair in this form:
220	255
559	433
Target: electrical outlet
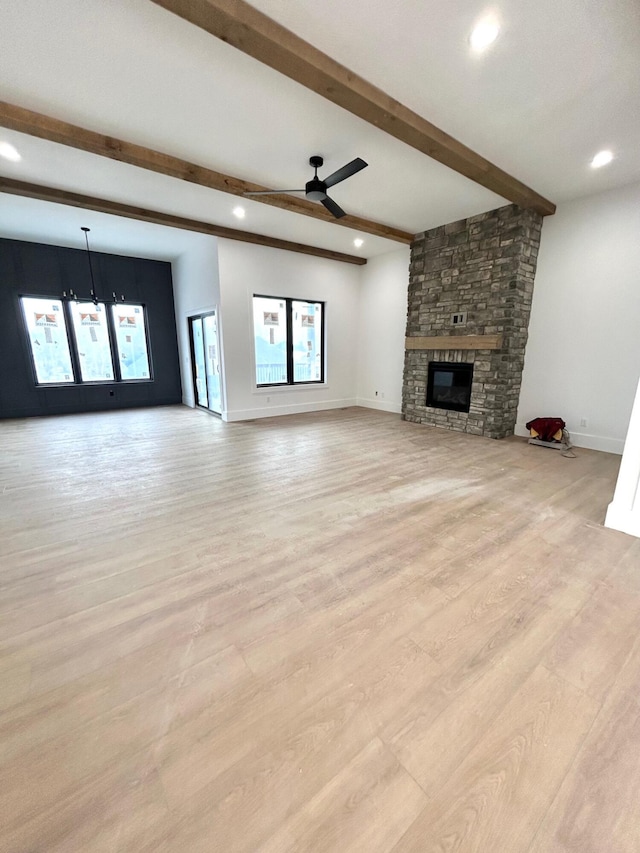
382	395
584	422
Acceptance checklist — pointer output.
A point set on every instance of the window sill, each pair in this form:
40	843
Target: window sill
275	389
103	383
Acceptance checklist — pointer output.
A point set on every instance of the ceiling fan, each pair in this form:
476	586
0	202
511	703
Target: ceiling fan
316	190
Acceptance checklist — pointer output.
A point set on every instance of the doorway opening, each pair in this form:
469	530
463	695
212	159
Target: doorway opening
205	361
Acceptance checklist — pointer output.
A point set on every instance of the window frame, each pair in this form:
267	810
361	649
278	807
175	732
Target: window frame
290	382
76	351
28	343
215	312
76	367
113	337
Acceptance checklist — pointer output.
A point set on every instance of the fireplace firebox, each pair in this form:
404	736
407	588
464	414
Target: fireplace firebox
449	385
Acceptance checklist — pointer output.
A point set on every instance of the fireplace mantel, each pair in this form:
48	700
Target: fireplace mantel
444	342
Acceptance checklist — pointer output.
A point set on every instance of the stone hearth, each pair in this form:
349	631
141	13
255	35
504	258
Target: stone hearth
482	268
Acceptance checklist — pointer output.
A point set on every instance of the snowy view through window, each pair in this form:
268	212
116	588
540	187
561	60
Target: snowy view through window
92	341
48	338
131	341
272	340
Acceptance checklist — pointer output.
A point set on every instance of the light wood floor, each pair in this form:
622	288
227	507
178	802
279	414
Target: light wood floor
329	632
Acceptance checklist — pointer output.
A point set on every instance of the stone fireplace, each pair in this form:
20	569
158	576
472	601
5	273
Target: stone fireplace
470	290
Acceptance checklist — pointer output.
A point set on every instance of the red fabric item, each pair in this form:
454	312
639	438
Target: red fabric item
546	427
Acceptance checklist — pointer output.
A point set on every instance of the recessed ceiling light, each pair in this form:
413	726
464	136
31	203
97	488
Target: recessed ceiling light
239	212
484	33
602	158
9	152
358	242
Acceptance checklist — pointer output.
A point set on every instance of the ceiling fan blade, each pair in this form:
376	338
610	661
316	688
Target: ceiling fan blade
346	172
332	207
273	192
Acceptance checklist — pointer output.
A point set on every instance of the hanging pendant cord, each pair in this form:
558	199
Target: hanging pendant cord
93	284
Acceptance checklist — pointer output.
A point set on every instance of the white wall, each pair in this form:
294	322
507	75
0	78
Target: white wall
583	355
624	510
381	330
246	269
196	289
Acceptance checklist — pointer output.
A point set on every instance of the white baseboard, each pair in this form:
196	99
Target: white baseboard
583	439
621	518
381	405
289	409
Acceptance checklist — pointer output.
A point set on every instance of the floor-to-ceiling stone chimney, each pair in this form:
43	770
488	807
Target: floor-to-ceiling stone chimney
471	282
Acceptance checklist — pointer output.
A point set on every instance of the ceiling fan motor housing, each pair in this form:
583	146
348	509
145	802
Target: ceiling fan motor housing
316	189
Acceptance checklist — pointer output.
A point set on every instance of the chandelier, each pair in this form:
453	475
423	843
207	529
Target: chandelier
72	296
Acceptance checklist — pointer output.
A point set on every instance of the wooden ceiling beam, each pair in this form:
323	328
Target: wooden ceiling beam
247	29
27	190
45	127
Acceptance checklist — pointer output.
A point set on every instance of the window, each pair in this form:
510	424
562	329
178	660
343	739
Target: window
131	341
92	341
307	341
107	346
289	341
47	331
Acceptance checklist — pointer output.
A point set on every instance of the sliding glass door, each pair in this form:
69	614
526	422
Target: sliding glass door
205	359
212	361
197	349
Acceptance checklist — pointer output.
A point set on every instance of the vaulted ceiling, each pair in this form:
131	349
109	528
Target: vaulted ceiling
559	84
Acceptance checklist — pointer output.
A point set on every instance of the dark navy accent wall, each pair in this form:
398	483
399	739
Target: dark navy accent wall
33	269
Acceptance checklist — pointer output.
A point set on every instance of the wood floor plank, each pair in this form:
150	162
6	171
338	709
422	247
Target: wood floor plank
598	805
281	760
463	623
91	818
592	650
497	797
362	626
69	706
625	574
349	711
16	681
82	753
367	806
432	737
317	632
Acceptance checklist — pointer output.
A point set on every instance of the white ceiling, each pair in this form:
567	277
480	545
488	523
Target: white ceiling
559	84
59	225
